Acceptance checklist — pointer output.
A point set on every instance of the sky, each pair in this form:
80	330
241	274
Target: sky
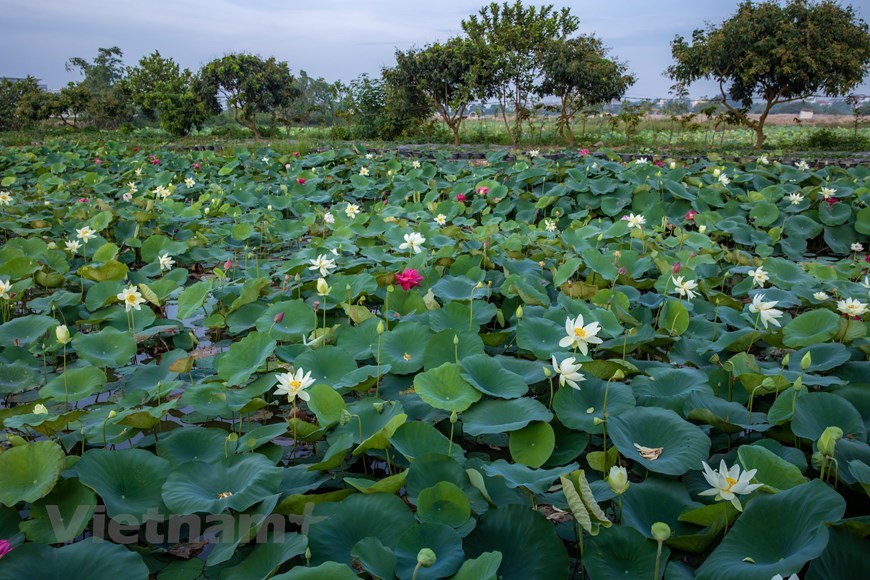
333	39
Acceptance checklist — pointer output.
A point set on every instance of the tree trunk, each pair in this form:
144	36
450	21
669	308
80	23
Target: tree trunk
455	128
759	135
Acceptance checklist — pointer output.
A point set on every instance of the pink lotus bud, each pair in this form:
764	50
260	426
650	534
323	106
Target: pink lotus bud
279	317
584	152
676	268
98	161
460	197
295	154
196	165
300	180
228	264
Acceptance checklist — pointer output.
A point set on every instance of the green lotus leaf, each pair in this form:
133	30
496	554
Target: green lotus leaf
16	378
532	445
810	328
29	472
404	347
540	336
658	500
621	552
535	480
443	503
83	560
501	530
416	438
441	539
193	297
375	558
776	534
444	388
297	321
337	527
578	409
815	412
441	348
25	330
773	471
430	470
490	378
127	481
845	553
684	446
266	557
331	570
484	567
244	358
195	444
237	484
329	365
62	515
109	347
500	416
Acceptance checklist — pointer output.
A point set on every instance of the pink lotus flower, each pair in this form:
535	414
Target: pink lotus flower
295	154
5	547
135	150
482	190
83	200
196	165
622	271
228	264
409	278
831	201
155	161
98	161
584	152
300	180
676	268
690	215
460	197
658	163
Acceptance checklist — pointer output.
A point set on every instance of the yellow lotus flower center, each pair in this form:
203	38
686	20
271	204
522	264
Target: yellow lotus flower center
295	384
224	494
731	482
131	298
580	332
406	356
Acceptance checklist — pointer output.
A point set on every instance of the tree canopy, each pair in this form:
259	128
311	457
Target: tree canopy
778	52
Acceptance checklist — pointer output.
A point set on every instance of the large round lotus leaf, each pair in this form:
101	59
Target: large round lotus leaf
533	444
85	560
441	539
71	505
441	348
328	364
498	416
578	409
375	558
337	527
267	557
17	377
657	500
668	388
535	480
814	412
244	358
444	388
443	503
824	357
108	348
24	330
530	548
540	336
776	534
417	438
404	347
484	567
490	378
846	553
195	444
727	416
197	486
683	445
456	315
298	320
810	328
29	472
621	552
75	384
128	481
245	318
772	470
331	570
429	470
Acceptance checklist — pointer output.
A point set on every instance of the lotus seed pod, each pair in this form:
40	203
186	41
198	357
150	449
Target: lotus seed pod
426	558
661	531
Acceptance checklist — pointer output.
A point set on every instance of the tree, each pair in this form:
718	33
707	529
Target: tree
163	91
448	75
779	53
249	85
517	36
71	103
385	110
316	103
22	103
109	102
578	72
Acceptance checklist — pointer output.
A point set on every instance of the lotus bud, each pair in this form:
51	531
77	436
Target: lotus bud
618	375
519	312
806	361
344	417
455	340
676	268
269	207
547	372
39	409
454	417
380	327
661	531
799	382
479	285
715	359
390	288
597	421
378	407
233	437
600	237
322	287
702	229
618	479
279	317
426	558
297	278
785	360
112	414
828	440
62	334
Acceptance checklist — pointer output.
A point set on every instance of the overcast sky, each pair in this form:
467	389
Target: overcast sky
334	39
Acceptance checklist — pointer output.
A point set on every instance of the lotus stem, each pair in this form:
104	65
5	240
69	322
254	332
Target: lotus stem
658	560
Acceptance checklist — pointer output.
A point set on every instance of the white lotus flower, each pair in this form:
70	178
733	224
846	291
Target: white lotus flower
724	180
364	171
127	196
727	484
132	187
579	336
534	153
857	247
323	264
802	165
5	285
759	277
717	172
820	296
370	155
441	219
5	198
852	307
166	262
413	241
131	298
415	164
635	221
795	198
329	218
189	182
351	210
617	479
567	371
684	288
85	234
294	385
40	409
72	246
762	160
765	310
779	577
550	225
828	192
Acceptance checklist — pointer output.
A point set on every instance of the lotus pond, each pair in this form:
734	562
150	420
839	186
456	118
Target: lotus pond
253	364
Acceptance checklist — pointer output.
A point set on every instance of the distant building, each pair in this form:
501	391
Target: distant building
42	86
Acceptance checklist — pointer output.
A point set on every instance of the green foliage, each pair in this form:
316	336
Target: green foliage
779	52
22	103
